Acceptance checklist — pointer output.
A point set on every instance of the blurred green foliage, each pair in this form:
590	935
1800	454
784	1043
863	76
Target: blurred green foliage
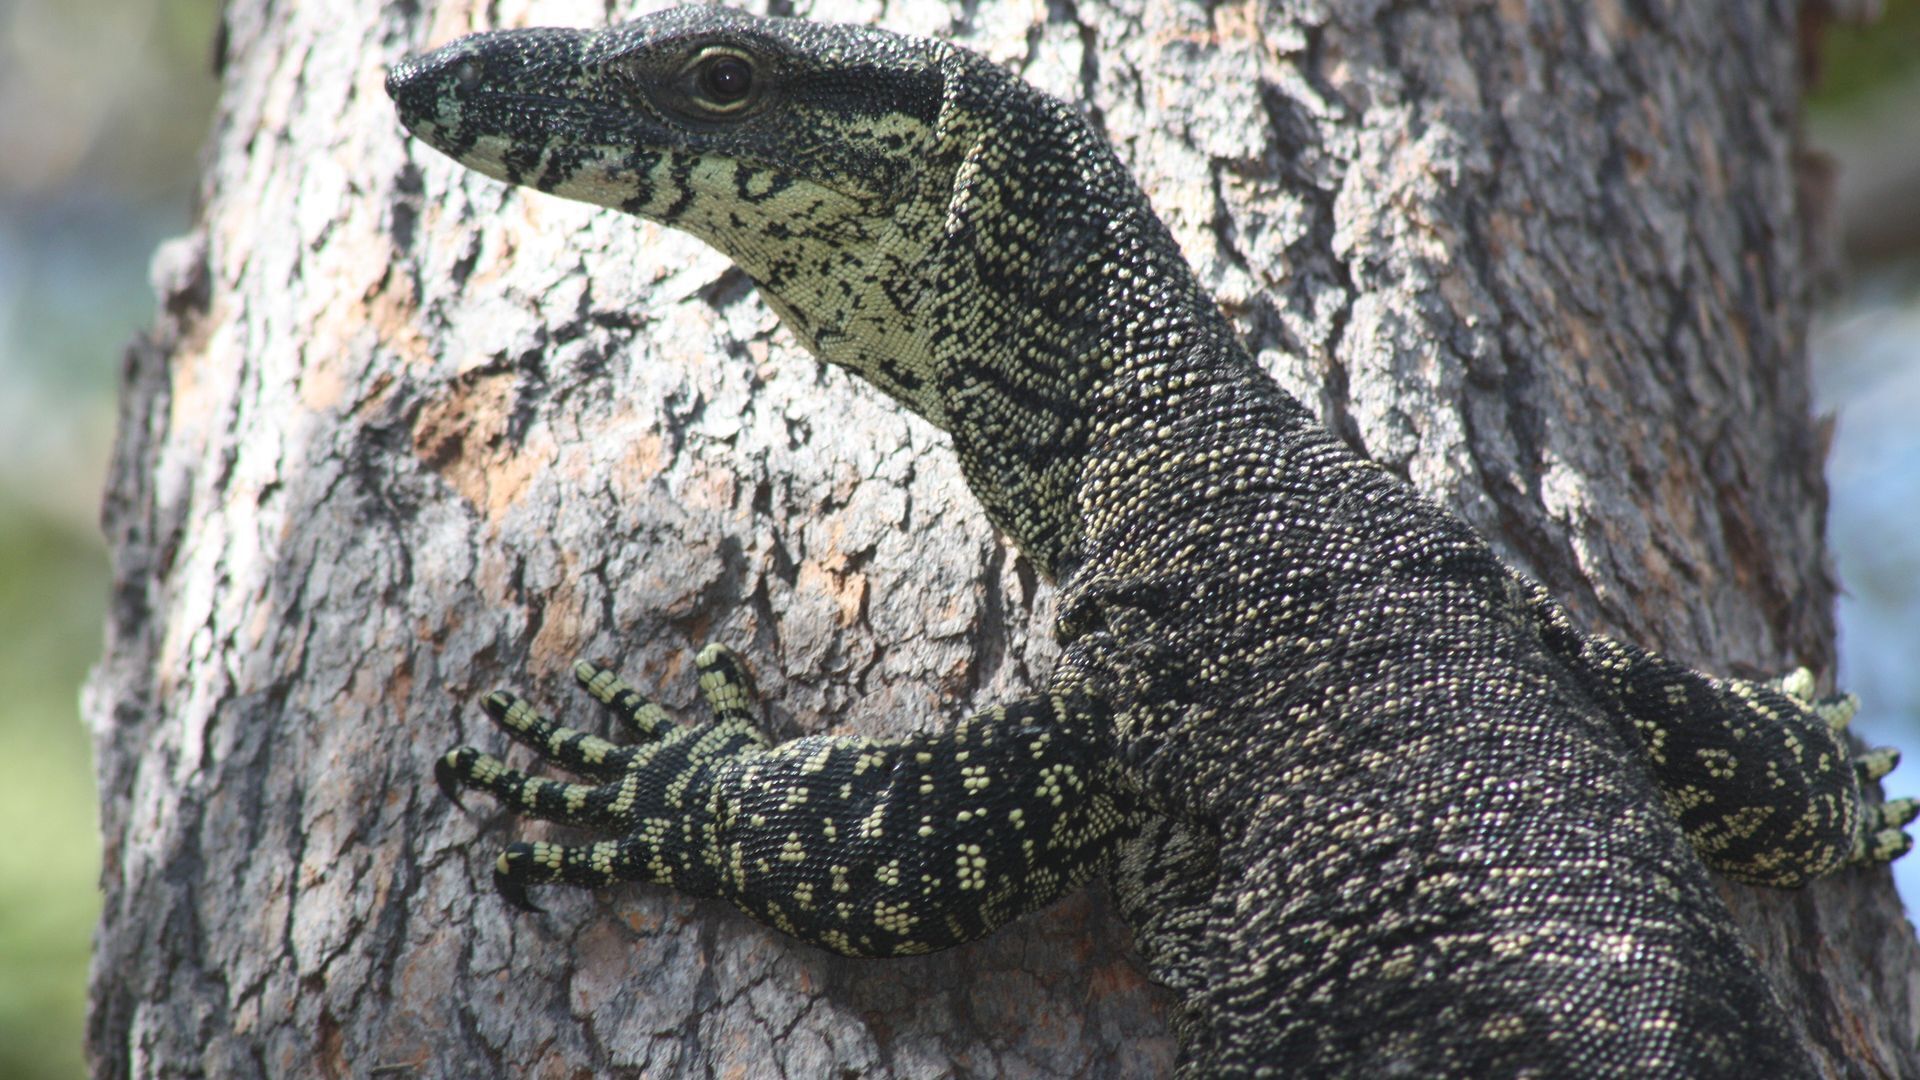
1856	62
52	593
103	107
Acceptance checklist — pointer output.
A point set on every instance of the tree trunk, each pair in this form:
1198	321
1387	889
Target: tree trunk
403	434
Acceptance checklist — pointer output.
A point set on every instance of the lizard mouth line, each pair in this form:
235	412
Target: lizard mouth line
553	123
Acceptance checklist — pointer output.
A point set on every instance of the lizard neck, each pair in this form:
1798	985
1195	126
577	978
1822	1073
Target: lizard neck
1034	359
1069	334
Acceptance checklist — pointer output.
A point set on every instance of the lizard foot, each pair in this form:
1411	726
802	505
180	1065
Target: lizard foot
1880	837
653	792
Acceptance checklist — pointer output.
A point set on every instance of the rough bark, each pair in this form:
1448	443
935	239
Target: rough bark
402	434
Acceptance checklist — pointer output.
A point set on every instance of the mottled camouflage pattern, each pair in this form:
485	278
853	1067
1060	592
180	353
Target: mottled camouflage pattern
1370	802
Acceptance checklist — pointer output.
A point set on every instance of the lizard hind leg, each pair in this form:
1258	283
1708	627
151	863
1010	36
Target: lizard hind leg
1880	836
1798	779
1760	775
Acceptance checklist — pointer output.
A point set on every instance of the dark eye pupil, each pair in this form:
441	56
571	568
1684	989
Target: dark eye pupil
727	78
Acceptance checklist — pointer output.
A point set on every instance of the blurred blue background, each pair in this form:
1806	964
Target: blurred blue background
1866	370
103	108
110	101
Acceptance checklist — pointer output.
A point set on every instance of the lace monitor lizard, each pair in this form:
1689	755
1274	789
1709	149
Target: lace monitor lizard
1369	800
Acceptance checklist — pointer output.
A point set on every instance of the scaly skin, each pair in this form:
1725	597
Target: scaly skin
1370	802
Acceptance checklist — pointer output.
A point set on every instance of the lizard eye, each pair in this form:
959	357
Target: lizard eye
722	81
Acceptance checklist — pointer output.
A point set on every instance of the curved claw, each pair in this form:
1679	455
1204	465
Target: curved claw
1797	684
1876	763
507	884
447	776
1838	711
1893	814
1882	847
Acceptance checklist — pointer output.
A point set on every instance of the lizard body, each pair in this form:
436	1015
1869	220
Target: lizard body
1368	798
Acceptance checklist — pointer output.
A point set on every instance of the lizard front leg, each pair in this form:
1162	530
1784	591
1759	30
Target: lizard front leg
865	847
1759	774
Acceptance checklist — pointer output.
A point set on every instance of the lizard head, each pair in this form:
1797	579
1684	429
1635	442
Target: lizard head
913	212
808	154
